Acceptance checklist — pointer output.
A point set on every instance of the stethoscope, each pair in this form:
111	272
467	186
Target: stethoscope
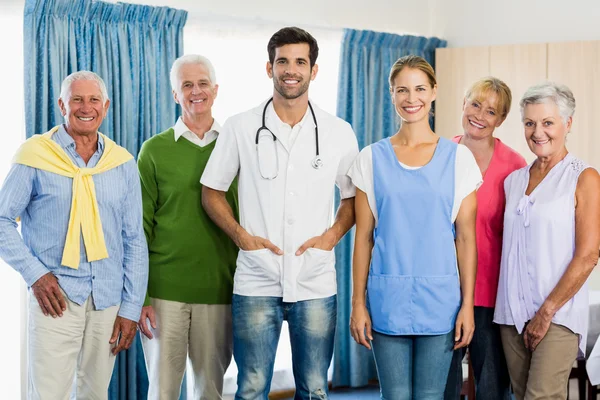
316	163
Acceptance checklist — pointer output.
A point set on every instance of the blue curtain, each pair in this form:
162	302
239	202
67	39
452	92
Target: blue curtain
132	48
364	101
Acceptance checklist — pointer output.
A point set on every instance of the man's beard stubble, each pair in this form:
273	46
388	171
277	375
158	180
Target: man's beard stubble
303	88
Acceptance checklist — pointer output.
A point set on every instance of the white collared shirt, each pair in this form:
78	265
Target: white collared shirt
181	130
290	209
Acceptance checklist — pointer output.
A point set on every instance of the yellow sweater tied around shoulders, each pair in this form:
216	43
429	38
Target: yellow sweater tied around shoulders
41	152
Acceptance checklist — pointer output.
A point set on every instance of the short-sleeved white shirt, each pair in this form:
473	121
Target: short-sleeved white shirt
466	172
290	209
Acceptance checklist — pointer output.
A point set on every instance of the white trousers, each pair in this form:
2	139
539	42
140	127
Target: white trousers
200	331
78	343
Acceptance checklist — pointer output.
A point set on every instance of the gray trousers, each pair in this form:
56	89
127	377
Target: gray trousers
200	332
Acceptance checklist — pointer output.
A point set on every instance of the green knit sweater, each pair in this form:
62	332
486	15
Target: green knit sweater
191	259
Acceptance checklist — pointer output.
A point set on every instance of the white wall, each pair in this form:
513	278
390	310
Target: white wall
381	15
480	23
461	22
12	306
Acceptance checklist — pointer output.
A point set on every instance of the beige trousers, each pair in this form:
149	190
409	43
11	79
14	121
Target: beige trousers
76	343
544	373
202	331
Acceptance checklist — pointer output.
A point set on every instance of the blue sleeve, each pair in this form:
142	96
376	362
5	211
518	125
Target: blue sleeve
135	249
15	196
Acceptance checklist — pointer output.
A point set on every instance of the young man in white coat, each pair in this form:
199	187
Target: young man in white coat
289	155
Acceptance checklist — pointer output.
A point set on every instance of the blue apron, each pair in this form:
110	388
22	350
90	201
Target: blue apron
413	286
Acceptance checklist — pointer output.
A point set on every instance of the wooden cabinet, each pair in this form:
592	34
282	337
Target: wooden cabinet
575	64
519	67
456	70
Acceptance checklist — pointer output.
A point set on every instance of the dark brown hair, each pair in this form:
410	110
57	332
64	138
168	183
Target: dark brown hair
293	35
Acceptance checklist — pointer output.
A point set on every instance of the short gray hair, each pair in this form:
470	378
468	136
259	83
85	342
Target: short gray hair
65	87
192	59
547	92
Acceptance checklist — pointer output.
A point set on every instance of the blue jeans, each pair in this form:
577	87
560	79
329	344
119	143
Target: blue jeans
412	367
256	328
489	366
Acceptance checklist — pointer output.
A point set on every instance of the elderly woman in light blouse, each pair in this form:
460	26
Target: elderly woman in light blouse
550	246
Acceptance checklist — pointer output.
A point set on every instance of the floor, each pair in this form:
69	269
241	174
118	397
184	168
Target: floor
362	394
369	393
372	393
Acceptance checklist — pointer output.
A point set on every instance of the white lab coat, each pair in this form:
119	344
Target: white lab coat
290	209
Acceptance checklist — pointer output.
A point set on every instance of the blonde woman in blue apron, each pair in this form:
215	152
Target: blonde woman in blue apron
415	252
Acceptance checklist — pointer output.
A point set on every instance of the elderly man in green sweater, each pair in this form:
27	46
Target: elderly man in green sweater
192	262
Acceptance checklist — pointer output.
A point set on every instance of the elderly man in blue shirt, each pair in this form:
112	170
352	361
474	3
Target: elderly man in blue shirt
81	250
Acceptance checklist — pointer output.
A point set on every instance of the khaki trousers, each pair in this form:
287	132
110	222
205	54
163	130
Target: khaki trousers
202	331
76	343
544	373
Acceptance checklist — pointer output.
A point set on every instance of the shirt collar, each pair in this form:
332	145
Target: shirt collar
180	128
65	140
306	119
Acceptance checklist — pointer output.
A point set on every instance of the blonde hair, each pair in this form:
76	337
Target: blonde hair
413	62
487	85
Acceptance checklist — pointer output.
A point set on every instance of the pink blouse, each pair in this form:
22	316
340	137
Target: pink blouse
490	216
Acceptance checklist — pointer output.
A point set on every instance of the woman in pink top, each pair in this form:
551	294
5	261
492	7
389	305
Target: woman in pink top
485	108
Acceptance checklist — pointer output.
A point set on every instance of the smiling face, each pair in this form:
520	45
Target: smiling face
83	109
194	91
291	71
545	129
481	115
412	95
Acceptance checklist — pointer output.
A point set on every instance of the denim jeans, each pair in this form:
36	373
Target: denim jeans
489	365
412	367
256	327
